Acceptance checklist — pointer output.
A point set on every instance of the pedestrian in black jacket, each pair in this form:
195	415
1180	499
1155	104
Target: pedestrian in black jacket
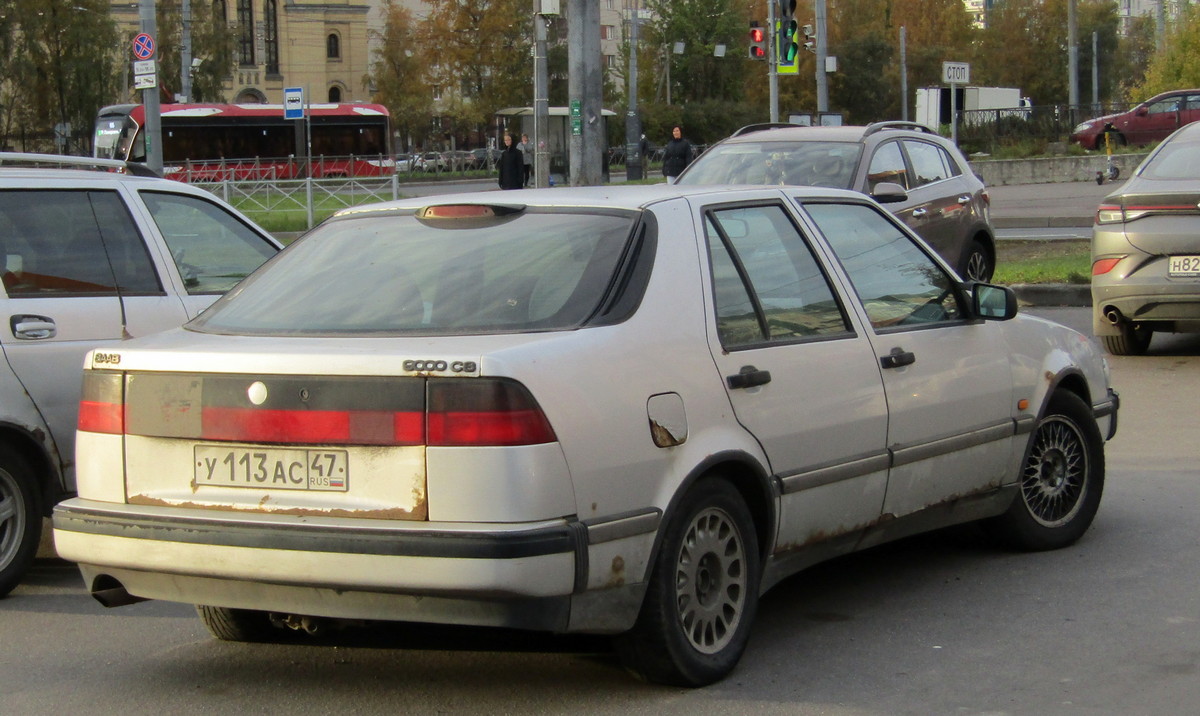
512	165
676	155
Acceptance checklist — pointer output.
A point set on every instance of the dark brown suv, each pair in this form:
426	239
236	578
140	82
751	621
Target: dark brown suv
921	177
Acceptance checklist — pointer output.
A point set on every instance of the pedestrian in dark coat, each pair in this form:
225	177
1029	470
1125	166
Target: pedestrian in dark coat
676	155
512	165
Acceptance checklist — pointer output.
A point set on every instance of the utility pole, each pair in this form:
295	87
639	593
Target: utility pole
773	60
185	53
154	155
585	86
633	123
541	94
1072	56
903	76
822	79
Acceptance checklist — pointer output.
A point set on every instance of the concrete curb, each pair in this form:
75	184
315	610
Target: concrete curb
1053	294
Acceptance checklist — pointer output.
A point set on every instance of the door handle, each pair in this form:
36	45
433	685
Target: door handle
920	213
898	358
32	328
748	377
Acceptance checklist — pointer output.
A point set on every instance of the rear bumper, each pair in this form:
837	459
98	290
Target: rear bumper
525	575
1146	295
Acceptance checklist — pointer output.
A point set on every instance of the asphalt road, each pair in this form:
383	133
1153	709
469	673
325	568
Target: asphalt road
939	624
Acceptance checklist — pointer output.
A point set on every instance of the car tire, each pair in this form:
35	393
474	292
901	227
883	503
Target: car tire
702	594
1061	480
20	518
1133	340
237	624
977	265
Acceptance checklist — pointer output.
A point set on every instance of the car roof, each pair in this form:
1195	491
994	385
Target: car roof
844	133
630	197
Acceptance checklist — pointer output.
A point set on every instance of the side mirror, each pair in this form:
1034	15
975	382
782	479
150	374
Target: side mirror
886	192
1141	112
993	303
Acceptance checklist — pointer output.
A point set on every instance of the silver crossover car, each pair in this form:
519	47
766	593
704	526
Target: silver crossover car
920	176
90	255
624	411
1146	250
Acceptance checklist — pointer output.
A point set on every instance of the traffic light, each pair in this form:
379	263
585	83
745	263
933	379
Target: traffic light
758	42
786	34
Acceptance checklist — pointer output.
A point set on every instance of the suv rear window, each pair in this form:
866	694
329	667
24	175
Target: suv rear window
830	164
400	274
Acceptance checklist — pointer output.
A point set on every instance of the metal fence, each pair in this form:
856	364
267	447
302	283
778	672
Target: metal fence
308	196
986	130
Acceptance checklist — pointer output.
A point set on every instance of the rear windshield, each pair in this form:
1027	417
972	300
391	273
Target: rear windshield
830	164
398	274
1173	160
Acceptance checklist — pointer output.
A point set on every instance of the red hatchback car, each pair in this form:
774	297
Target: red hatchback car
1150	121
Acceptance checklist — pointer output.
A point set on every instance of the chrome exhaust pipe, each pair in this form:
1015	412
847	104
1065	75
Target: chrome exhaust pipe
1112	315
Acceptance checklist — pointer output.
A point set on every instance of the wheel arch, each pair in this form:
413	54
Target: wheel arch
1071	381
27	445
752	481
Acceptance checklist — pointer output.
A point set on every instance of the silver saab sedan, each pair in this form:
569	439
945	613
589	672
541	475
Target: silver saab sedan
624	411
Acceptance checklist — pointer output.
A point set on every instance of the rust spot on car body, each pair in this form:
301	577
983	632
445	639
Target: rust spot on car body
661	436
419	513
616	577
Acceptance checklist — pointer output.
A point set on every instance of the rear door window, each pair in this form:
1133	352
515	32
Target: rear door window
929	162
58	243
767	285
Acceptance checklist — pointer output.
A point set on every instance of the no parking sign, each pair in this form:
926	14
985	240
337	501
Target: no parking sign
143	46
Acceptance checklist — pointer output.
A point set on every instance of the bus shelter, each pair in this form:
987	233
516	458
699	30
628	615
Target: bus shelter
558	136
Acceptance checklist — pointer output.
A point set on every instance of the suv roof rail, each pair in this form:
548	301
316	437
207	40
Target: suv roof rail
61	160
896	124
761	127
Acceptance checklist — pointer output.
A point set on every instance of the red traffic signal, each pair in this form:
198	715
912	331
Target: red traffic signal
758	43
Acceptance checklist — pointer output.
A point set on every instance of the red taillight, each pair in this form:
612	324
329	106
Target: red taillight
1103	266
314	411
97	417
483	413
102	403
317	427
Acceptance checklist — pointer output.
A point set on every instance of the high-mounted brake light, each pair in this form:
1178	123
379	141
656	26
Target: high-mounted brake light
468	211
